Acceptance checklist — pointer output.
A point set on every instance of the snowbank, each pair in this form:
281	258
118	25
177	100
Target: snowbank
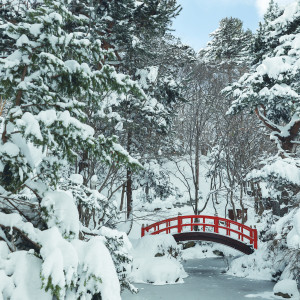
156	260
286	288
257	266
151	245
157	270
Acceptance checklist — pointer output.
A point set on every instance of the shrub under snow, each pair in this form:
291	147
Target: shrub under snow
67	268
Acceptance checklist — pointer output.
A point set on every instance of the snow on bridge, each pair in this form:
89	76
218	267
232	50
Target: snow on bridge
207	228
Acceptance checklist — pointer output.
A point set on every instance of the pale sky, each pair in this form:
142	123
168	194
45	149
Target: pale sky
199	18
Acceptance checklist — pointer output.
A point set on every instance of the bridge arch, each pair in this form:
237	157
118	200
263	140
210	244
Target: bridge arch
207	228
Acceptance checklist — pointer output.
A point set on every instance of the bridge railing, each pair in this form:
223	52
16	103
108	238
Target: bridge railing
202	223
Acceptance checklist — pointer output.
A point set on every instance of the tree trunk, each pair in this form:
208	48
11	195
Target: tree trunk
197	161
129	178
122	197
129	193
242	204
196	183
196	178
233	206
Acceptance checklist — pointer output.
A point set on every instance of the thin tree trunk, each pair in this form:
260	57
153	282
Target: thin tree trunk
129	179
129	193
233	206
241	203
197	154
197	161
122	197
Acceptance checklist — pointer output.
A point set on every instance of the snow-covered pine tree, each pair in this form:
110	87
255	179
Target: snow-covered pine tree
133	31
11	11
263	40
271	91
48	80
229	46
97	216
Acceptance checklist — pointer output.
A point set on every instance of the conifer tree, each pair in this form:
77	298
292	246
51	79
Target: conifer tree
134	32
265	41
271	91
229	46
48	80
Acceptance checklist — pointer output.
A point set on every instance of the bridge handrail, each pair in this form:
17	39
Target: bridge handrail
198	217
208	225
252	237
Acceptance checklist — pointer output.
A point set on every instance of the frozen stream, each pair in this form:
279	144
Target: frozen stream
206	281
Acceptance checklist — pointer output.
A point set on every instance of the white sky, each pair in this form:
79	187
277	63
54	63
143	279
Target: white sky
262	5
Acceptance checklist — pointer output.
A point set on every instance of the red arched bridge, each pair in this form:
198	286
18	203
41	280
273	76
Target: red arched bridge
207	228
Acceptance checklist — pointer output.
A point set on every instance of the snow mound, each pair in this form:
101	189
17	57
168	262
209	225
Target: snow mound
151	245
286	288
156	260
158	270
256	266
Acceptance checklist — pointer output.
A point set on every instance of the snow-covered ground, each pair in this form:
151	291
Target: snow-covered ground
206	281
209	277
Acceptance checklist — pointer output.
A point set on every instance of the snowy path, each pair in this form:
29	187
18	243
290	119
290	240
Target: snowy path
205	282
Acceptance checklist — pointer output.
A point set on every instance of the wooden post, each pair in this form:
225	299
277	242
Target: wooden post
216	227
255	238
228	226
143	230
179	222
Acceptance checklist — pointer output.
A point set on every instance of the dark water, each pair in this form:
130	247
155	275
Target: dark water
206	281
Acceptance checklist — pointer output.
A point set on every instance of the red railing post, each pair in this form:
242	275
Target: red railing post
143	230
216	227
203	224
179	224
255	238
228	226
192	224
